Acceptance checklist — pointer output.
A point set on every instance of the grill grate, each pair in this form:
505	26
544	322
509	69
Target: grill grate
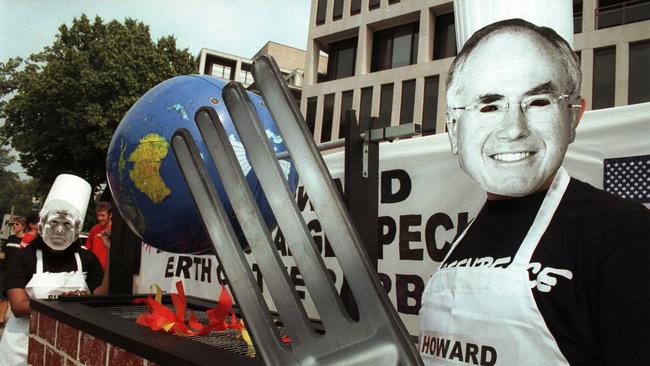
229	339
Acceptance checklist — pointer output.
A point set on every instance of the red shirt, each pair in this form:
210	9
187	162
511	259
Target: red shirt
26	239
95	245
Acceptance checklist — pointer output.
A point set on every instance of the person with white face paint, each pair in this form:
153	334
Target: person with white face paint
52	265
552	271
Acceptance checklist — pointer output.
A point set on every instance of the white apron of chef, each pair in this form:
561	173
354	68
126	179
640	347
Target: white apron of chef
43	285
488	316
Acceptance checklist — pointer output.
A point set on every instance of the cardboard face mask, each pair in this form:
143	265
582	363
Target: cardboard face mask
59	229
512	126
63	212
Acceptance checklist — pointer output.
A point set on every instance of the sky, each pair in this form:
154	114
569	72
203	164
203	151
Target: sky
237	27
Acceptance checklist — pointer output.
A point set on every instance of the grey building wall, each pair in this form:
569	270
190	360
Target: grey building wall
362	26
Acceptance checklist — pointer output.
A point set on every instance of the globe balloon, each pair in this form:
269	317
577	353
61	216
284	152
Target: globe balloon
145	180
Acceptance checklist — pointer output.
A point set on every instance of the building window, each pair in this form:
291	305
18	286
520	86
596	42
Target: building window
328	117
341	59
617	12
310	117
444	39
604	77
408	101
639	85
391	2
245	74
373	4
221	71
395	47
346	103
365	109
430	104
385	105
223	68
577	16
321	11
355	7
338	10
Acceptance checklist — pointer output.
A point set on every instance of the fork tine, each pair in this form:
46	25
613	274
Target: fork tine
376	313
297	235
284	297
319	185
227	248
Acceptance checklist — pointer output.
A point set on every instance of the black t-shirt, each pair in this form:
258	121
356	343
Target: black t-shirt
597	249
23	265
13	239
10	248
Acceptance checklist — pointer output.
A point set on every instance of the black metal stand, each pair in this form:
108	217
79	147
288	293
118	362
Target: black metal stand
361	184
124	252
360	194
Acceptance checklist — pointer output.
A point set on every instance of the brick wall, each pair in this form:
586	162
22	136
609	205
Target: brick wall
53	343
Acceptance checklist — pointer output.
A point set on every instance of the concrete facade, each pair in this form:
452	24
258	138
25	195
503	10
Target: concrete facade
289	57
290	60
363	25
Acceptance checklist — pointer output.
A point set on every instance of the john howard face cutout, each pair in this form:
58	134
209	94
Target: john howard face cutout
510	119
59	230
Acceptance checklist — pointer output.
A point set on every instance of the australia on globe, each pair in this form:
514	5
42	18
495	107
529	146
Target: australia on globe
147	185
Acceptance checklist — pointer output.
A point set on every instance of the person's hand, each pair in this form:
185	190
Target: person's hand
105	236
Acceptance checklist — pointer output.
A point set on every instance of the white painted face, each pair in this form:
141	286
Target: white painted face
509	153
59	230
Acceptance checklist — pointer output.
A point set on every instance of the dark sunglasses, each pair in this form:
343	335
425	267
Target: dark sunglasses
15	223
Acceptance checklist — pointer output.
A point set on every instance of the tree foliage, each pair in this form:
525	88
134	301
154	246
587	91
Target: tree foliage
14	193
67	100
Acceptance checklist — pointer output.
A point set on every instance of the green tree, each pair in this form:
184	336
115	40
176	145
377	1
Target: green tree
14	193
66	101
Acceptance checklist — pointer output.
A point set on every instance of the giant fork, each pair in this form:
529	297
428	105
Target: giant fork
378	337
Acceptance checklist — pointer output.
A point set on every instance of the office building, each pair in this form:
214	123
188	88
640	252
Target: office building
235	68
389	59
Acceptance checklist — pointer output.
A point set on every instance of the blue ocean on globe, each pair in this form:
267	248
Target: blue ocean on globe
145	180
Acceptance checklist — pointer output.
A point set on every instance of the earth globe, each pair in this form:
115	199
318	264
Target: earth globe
145	180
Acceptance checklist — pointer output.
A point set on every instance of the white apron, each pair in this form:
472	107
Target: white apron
43	285
488	316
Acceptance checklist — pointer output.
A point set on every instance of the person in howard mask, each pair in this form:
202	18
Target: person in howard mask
52	265
552	271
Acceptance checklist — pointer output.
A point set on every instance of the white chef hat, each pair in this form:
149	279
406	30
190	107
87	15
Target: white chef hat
69	193
472	15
